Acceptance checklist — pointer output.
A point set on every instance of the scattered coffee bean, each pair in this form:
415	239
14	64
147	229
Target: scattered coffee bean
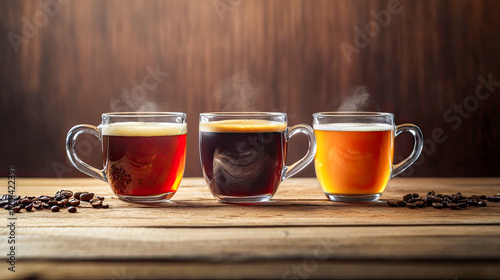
17	209
7	207
392	203
97	204
105	205
411	205
100	197
439	201
452	206
420	204
29	207
72	209
86	196
74	202
54	208
77	195
437	205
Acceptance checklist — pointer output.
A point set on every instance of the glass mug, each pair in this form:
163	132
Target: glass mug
243	155
144	154
354	159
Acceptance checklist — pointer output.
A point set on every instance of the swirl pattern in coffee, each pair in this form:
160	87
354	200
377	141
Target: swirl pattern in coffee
242	158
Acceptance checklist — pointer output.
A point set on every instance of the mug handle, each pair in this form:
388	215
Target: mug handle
289	171
417	147
71	152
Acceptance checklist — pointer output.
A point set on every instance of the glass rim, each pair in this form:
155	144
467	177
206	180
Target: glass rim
144	114
352	114
243	114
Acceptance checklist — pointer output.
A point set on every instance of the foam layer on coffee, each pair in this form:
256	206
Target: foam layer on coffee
353	127
143	129
242	126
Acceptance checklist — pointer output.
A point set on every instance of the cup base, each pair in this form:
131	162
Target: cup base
244	199
353	197
147	199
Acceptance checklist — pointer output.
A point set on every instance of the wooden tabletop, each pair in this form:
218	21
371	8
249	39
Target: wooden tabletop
298	235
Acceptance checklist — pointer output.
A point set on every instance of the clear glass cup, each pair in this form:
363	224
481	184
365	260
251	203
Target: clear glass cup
243	155
354	159
144	154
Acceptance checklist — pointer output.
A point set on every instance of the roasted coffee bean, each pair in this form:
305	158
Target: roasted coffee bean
44	198
437	205
7	207
437	199
3	202
420	204
72	209
6	197
482	203
97	204
45	205
392	203
37	204
86	196
64	201
452	206
54	208
17	209
431	193
29	207
52	202
25	201
490	198
105	205
94	199
74	202
407	197
401	203
61	203
471	202
496	198
440	195
100	197
77	195
411	205
482	196
462	204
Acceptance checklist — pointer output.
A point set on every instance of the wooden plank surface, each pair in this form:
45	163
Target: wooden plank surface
196	237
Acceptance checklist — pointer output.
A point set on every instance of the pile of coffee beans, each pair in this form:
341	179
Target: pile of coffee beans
439	201
62	198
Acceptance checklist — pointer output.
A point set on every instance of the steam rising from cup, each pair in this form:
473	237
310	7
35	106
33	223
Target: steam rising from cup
134	100
238	92
358	99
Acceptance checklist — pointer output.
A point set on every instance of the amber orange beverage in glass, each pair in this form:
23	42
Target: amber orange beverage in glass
354	158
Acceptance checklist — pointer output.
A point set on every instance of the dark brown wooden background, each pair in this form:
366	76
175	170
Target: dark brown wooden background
426	59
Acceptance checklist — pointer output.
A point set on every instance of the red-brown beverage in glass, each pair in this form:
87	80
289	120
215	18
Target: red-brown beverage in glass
144	159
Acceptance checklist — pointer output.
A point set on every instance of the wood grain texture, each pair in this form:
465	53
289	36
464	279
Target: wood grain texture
298	202
422	64
298	235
